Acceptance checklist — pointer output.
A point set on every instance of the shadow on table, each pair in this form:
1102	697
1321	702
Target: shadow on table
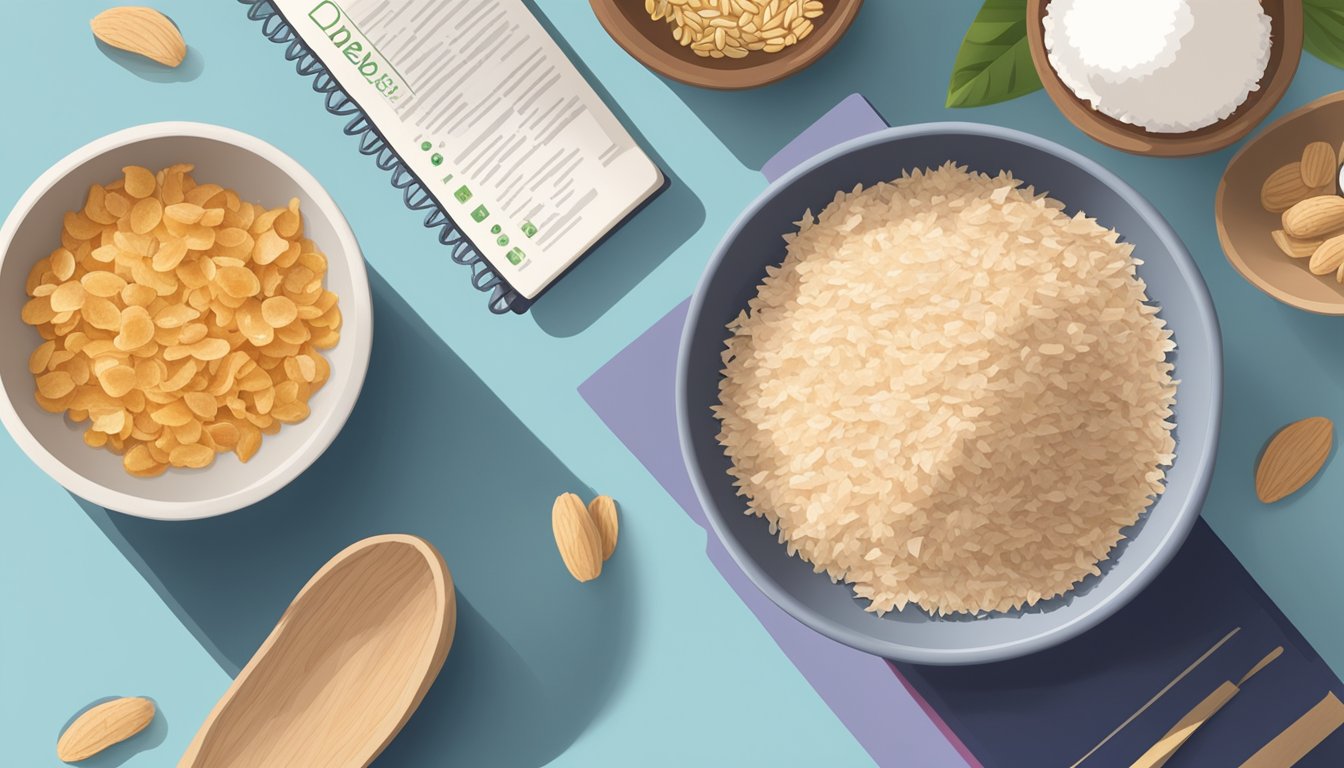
626	257
635	249
430	451
145	69
876	57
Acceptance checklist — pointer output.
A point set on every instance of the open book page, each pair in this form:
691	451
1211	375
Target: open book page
488	112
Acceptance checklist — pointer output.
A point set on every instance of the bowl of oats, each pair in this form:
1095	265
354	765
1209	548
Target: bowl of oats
726	44
189	321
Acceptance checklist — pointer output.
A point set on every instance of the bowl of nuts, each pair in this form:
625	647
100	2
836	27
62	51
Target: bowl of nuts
726	44
1279	211
189	321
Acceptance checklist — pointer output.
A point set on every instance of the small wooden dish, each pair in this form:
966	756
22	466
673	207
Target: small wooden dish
1244	226
651	43
1286	36
344	668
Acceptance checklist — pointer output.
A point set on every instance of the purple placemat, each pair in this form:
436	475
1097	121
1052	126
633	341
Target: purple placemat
1046	709
633	394
850	119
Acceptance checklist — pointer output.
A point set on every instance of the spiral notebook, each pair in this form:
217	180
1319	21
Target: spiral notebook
484	124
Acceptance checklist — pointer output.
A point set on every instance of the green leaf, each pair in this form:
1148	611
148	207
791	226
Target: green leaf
994	63
1323	30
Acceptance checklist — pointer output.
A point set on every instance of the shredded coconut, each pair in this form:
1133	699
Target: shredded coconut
1168	66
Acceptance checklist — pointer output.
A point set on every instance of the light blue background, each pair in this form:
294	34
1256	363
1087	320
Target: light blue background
657	663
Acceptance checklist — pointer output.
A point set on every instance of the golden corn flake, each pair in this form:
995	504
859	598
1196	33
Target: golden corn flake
179	321
62	264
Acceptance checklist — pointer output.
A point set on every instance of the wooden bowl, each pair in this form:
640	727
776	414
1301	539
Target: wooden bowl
1244	226
1286	36
651	43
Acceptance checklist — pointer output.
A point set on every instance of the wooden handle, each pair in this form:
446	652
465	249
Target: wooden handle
1158	755
1301	737
1203	657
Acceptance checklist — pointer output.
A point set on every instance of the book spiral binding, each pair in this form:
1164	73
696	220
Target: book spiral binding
503	298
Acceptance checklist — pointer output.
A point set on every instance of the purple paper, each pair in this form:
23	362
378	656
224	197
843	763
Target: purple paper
850	119
634	396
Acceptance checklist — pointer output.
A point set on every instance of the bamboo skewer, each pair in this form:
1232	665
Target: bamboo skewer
1158	695
1158	755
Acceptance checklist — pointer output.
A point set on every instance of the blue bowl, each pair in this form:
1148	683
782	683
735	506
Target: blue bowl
1174	283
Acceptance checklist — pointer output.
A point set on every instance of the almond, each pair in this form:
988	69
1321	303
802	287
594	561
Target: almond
603	511
111	722
576	537
1318	164
1293	457
1298	249
1283	188
1314	217
143	31
1328	257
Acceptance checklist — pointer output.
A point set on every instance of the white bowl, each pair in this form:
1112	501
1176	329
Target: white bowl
260	173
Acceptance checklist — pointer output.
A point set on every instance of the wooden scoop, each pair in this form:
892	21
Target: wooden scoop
344	668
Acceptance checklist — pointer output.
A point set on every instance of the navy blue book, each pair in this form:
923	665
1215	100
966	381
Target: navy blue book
1051	708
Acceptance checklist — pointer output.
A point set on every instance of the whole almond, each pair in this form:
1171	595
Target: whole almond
1283	188
1314	217
576	537
1318	164
111	722
1328	257
1298	249
141	30
1293	457
603	511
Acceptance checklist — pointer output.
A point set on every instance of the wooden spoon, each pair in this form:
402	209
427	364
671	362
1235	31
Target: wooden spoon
344	668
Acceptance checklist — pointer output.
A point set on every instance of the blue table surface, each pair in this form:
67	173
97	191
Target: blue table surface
470	425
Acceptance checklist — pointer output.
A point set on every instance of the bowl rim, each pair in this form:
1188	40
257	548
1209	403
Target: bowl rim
357	331
1202	463
706	75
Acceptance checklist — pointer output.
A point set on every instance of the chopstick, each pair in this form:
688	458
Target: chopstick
1161	752
1158	695
1272	655
1158	754
1301	737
